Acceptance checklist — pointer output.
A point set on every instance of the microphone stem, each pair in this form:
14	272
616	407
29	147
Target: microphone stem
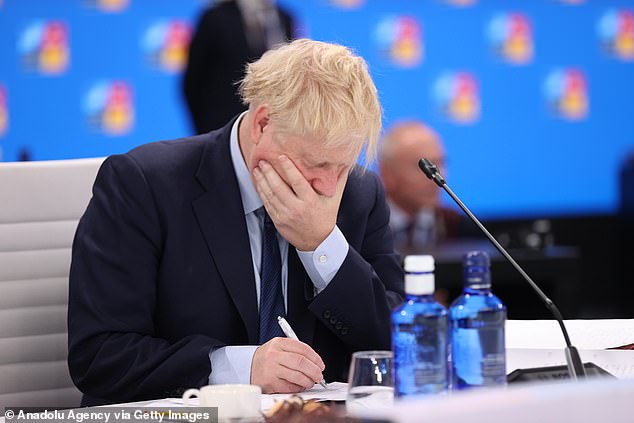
572	356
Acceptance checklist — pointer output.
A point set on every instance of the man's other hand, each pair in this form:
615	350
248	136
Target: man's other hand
284	365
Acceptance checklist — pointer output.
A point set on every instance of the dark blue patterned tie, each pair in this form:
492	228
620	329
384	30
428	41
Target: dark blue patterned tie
271	299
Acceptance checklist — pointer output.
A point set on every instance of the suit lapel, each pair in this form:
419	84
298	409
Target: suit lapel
220	215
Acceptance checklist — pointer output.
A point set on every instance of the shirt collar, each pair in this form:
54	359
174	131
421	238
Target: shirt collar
250	199
399	219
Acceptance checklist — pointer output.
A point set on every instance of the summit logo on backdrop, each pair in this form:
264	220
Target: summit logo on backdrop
457	97
616	32
108	6
347	4
109	107
511	37
44	47
400	40
461	3
165	45
566	92
4	111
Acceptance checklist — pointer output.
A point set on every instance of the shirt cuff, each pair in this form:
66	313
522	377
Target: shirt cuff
231	364
323	264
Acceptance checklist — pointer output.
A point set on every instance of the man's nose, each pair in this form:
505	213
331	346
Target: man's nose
325	183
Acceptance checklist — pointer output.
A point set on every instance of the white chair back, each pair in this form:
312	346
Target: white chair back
40	205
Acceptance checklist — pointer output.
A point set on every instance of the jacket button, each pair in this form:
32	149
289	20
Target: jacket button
339	325
333	320
344	331
327	314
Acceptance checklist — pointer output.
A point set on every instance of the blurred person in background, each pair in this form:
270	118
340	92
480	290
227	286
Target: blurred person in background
626	232
228	35
418	219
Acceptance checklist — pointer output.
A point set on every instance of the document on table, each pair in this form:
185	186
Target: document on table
584	334
336	391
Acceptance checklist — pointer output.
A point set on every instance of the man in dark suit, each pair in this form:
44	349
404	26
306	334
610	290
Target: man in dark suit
190	249
228	35
418	220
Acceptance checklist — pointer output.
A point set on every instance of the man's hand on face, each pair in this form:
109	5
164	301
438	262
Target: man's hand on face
301	215
284	365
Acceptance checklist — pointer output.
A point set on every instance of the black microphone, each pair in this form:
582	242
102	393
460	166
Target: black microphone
575	366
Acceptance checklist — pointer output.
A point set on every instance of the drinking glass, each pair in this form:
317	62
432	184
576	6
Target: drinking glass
370	382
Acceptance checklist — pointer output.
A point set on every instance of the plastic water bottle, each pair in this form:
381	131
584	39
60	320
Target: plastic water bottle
419	333
476	320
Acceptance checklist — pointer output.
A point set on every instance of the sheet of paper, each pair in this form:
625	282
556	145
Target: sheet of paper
174	402
584	334
620	363
336	391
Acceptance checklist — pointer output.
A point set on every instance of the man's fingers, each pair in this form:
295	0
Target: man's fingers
286	365
265	192
295	377
281	190
282	386
276	195
299	363
294	178
298	347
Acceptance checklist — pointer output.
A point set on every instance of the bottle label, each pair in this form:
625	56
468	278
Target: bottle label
478	354
493	365
420	356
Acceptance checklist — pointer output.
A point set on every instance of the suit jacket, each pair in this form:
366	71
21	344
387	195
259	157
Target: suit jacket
218	53
448	225
162	272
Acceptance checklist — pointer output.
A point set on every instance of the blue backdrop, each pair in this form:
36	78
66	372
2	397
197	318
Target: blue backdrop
534	100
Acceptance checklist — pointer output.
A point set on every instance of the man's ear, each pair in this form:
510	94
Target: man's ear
260	121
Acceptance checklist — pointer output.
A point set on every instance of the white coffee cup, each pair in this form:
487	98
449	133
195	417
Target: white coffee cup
233	401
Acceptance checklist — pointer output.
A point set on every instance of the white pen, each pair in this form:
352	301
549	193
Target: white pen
290	333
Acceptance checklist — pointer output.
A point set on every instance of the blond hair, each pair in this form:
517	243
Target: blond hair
318	90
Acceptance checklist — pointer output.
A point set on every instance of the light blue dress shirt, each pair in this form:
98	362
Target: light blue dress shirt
424	230
232	364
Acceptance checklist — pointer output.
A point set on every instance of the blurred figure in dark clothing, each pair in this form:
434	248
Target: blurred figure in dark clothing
626	234
228	35
418	220
24	154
